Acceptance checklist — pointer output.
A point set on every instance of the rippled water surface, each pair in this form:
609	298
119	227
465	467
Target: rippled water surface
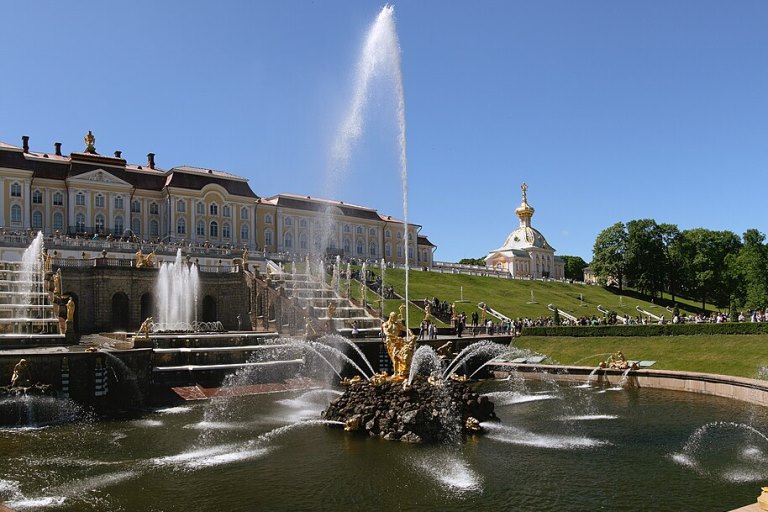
556	448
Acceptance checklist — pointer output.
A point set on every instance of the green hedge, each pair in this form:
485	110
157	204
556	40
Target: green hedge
649	330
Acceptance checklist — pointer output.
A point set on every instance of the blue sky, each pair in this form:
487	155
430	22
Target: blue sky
609	110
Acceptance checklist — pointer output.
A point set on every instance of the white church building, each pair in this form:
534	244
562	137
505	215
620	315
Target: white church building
525	252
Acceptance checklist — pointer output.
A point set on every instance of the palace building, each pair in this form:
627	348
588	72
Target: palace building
89	195
525	252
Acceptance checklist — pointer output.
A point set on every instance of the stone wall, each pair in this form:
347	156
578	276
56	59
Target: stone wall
95	290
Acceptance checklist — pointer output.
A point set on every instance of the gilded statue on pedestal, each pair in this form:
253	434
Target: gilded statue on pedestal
145	328
400	345
90	140
70	310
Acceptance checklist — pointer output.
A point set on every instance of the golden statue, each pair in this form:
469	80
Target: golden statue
400	345
70	310
47	261
57	284
524	188
401	308
310	329
138	259
331	310
146	325
22	377
427	311
141	261
90	140
617	361
762	500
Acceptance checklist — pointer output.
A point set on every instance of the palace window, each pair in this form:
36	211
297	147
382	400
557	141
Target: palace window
410	253
410	236
287	221
80	199
119	225
399	251
80	222
387	234
213	209
200	228
99	201
359	247
154	209
99	223
372	249
181	206
15	190
359	230
268	219
346	228
303	242
347	246
387	250
244	233
213	229
181	227
37	220
16	214
58	199
136	226
372	232
119	203
200	208
58	221
225	231
154	228
288	241
226	211
243	213
135	207
267	236
37	197
316	243
303	223
399	235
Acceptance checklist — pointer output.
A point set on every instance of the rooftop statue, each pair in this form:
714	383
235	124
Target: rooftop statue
90	140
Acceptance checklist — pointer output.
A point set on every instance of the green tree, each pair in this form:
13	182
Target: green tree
706	272
574	267
608	255
749	269
644	257
472	261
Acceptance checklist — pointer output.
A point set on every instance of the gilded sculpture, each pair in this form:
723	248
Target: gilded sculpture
70	310
90	140
400	345
145	327
22	376
142	261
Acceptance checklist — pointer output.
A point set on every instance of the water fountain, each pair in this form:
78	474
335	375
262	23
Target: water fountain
177	290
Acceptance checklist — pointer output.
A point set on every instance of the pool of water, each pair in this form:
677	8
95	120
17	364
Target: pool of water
557	447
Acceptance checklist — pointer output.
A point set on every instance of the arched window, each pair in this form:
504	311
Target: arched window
119	226
200	208
135	207
303	242
347	246
372	249
37	220
58	199
244	232
98	201
58	221
268	219
387	234
359	230
399	235
200	228
181	227
346	228
334	244
181	206
226	211
244	213
387	250
154	228
15	214
99	223
15	190
287	221
372	232
136	226
213	229
399	251
154	209
303	223
225	231
267	237
80	222
119	203
410	236
213	209
410	253
288	241
359	247
37	197
80	199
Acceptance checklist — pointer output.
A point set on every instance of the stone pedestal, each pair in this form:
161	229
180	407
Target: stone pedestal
70	335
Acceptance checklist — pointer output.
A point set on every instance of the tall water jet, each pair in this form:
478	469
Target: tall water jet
380	57
177	288
30	274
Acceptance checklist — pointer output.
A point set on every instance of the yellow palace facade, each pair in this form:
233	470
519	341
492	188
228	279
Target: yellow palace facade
89	195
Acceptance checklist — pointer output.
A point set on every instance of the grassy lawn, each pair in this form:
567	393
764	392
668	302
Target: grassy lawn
725	355
518	298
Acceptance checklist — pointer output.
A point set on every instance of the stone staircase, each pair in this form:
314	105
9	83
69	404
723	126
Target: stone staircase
314	295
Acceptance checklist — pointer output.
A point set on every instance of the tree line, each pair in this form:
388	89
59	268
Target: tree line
711	267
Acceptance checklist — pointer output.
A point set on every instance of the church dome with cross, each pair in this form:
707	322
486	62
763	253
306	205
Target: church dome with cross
525	252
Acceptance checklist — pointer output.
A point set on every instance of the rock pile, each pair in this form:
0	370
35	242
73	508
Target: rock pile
425	413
